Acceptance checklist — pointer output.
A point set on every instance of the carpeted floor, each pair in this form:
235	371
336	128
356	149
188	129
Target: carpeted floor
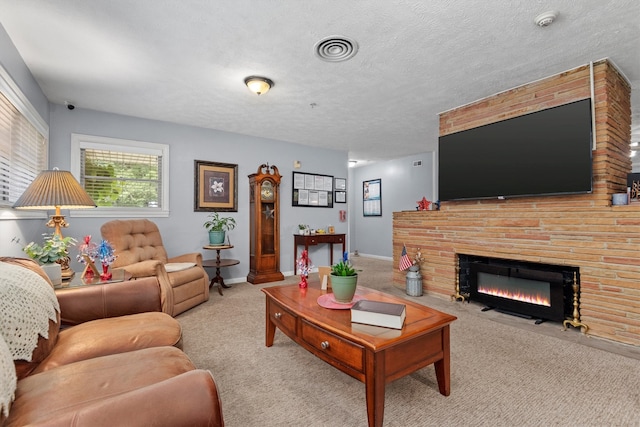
505	371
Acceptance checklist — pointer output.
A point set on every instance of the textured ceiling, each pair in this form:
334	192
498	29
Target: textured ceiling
185	61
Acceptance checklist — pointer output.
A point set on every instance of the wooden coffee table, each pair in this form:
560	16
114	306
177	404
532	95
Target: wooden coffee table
373	355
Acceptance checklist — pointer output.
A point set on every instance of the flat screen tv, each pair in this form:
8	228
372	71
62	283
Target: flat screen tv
543	153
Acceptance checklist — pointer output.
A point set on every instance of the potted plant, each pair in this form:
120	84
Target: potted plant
304	229
344	279
54	249
218	226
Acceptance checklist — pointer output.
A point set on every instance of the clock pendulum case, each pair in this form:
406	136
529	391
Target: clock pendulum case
264	225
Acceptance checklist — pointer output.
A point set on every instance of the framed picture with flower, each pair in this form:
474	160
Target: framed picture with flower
216	187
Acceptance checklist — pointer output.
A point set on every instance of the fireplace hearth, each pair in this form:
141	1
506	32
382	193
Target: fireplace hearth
537	291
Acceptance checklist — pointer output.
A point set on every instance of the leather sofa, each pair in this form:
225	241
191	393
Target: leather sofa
124	370
141	252
84	303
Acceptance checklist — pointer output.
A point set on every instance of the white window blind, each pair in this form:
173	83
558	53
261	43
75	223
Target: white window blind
123	177
23	152
118	179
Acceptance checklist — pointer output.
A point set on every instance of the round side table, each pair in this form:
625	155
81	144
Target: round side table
218	263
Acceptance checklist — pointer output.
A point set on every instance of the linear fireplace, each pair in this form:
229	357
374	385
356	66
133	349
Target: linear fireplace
539	291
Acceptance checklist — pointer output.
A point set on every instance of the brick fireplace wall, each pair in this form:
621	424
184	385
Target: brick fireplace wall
583	231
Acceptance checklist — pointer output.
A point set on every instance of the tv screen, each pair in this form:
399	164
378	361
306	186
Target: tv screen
543	153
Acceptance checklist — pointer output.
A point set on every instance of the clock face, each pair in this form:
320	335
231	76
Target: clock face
266	191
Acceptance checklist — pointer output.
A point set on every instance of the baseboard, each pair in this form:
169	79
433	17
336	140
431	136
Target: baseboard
385	258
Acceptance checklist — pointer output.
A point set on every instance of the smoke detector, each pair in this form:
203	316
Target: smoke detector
545	19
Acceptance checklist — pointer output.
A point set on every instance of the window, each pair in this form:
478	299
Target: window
24	144
124	177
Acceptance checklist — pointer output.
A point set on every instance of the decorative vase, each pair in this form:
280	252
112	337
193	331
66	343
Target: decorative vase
303	281
105	272
344	288
216	237
54	272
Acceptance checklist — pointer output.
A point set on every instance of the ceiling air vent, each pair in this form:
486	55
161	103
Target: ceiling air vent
336	48
417	163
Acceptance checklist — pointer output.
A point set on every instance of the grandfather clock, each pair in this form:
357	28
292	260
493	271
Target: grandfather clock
264	225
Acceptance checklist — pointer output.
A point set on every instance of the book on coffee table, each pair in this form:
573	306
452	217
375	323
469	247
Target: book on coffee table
378	313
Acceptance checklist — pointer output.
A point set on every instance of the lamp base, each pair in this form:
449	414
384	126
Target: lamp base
67	274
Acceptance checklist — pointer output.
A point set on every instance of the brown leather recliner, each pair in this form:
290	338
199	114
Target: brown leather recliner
140	251
101	373
91	339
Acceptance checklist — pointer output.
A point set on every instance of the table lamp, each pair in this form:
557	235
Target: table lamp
55	189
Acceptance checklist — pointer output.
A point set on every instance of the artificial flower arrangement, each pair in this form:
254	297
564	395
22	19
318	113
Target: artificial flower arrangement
105	253
304	267
87	254
90	252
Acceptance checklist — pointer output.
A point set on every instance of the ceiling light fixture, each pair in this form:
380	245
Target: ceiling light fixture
258	85
545	19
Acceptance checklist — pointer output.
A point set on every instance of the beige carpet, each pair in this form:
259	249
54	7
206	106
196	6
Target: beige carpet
505	371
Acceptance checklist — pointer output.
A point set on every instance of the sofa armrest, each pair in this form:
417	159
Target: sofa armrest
143	268
190	257
85	303
189	399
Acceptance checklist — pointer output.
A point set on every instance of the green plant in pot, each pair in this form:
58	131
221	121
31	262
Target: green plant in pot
344	279
218	226
54	249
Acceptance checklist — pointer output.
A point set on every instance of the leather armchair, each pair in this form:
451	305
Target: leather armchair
155	386
87	340
141	252
84	303
124	370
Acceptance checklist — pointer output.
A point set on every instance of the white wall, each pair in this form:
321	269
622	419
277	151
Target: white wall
402	186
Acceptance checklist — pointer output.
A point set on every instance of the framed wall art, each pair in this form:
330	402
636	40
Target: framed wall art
312	190
216	187
372	197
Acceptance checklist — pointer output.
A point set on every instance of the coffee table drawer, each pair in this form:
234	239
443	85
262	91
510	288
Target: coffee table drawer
283	319
340	350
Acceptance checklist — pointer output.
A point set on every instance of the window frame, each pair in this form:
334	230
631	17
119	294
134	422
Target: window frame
14	94
82	141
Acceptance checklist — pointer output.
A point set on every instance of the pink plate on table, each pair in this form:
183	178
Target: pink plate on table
329	301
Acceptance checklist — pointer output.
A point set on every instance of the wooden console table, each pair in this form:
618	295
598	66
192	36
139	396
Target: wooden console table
376	356
315	239
218	263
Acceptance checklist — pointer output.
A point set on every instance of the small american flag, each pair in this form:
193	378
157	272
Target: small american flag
405	261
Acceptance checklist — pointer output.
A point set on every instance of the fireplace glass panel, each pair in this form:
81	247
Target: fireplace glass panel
515	288
535	290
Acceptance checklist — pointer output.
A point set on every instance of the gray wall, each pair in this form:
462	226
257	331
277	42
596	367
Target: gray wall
14	65
402	186
182	231
15	234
